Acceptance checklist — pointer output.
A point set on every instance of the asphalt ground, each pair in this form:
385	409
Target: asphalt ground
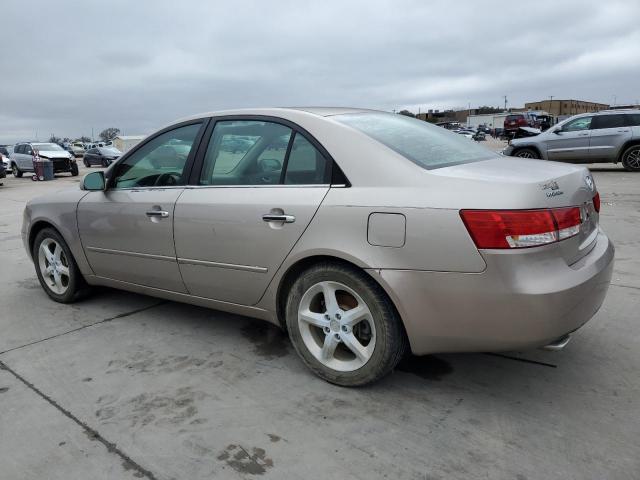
127	386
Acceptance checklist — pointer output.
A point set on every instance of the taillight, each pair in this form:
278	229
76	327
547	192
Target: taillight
521	228
596	202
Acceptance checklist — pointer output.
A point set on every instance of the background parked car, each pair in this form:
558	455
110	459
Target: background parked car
22	158
514	121
606	136
5	152
103	156
3	172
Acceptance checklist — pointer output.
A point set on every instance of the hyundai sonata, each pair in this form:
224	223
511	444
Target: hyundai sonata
363	234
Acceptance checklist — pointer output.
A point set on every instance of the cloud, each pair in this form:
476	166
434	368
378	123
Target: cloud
139	65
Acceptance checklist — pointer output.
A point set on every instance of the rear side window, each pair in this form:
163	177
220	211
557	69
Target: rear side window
424	144
633	119
306	165
608	121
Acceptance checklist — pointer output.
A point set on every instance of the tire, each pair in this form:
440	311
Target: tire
74	170
105	163
631	159
86	163
379	332
71	285
526	153
16	171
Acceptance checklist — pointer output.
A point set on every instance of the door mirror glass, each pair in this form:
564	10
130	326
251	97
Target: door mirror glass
93	181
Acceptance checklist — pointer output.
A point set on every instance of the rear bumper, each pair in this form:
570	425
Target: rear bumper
523	300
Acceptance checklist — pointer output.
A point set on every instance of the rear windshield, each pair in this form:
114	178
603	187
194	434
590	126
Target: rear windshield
424	144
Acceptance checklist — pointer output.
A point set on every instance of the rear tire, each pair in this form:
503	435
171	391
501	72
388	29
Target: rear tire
16	171
56	268
342	348
526	153
631	159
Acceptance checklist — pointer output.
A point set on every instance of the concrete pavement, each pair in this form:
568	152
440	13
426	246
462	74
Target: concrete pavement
126	386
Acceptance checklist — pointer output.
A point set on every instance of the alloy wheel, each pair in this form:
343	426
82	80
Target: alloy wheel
525	154
336	326
633	159
54	266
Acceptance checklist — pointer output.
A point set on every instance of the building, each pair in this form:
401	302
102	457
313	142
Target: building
491	120
124	143
560	108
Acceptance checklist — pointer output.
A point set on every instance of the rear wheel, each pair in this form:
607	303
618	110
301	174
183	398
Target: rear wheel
343	325
526	153
16	171
56	268
631	159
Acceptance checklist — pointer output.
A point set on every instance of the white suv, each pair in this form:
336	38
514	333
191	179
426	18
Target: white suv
609	136
22	158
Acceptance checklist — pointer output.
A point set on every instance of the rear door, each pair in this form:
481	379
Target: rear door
260	184
571	141
608	134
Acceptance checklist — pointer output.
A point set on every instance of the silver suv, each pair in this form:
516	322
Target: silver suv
610	136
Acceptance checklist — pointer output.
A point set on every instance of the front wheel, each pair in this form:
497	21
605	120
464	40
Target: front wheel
16	171
86	163
343	326
526	153
56	268
74	170
631	159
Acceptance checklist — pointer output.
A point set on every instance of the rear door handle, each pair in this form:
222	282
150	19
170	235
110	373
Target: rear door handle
157	213
278	218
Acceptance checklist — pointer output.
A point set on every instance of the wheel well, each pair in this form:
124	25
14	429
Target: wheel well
292	273
630	143
528	147
35	229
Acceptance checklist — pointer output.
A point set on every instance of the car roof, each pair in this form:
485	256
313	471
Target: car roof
279	111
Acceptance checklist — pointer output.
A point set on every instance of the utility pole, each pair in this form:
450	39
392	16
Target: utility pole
505	103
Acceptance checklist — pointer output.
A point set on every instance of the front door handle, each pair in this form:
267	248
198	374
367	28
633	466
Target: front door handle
157	213
278	218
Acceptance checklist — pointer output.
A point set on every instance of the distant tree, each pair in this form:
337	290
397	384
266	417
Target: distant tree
407	113
66	140
109	133
487	109
84	139
54	139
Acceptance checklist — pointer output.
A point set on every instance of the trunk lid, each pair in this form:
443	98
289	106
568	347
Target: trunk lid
521	184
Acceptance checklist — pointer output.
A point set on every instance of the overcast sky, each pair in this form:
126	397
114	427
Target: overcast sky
70	66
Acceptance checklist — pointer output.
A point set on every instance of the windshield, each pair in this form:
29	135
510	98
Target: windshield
424	144
47	147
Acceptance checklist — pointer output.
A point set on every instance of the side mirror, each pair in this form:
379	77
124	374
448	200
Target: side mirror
558	131
93	181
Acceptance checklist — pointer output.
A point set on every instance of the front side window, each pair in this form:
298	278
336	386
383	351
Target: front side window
159	162
245	152
424	144
583	123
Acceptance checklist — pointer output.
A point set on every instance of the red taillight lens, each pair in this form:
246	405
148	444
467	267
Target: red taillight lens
521	228
596	202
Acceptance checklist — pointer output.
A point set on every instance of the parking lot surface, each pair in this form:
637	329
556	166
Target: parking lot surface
127	386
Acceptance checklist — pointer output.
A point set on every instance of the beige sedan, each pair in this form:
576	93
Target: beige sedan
365	235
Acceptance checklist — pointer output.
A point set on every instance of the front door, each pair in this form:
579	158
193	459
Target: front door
571	141
260	186
127	230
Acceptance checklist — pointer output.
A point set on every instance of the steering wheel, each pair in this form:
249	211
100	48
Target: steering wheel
167	180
